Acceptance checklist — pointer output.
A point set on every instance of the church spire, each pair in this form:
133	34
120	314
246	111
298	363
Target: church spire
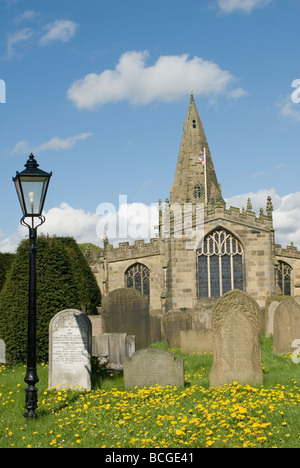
191	184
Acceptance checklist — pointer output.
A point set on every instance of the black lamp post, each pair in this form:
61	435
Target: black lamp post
32	185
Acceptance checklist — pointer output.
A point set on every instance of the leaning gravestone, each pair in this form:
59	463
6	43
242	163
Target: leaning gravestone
2	352
70	347
286	326
236	348
151	367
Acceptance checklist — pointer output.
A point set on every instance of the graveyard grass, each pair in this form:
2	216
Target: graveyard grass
195	416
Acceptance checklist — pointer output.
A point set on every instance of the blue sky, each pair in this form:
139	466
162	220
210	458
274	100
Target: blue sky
98	90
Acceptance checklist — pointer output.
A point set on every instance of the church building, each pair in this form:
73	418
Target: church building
204	249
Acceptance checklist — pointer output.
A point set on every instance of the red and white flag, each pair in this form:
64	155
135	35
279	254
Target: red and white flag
202	157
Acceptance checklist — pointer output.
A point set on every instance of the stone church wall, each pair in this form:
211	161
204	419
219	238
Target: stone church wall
290	255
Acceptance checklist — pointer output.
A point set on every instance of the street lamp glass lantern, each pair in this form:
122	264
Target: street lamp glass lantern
32	185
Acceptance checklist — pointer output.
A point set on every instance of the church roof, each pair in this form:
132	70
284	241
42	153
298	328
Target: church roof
194	181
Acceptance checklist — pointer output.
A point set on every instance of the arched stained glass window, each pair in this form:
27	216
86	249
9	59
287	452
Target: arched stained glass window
284	277
137	277
220	264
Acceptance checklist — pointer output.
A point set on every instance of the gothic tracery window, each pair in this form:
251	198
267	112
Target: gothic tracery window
220	264
137	277
283	277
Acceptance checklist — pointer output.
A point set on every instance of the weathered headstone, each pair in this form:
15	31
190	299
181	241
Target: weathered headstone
172	323
125	310
96	321
70	347
270	318
115	346
151	367
2	352
236	347
196	341
286	326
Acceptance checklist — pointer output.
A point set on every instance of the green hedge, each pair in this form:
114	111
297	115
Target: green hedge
6	260
64	281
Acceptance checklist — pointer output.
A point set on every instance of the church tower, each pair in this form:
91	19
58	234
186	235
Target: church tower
195	180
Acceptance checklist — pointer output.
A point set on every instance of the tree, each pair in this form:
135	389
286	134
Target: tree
64	281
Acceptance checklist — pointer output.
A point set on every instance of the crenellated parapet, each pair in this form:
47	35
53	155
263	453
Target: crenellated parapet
177	218
290	251
126	251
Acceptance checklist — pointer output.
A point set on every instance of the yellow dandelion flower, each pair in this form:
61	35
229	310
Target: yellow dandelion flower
209	443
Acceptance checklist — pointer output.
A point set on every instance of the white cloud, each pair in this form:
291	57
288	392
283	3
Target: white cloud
257	174
60	221
237	93
289	109
128	222
10	243
16	39
59	30
245	6
169	79
28	15
67	221
55	144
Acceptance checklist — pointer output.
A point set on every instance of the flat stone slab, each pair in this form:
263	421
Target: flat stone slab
153	367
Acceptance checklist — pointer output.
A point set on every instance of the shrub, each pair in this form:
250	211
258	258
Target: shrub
6	260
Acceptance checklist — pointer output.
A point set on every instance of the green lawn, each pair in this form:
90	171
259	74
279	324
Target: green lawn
189	417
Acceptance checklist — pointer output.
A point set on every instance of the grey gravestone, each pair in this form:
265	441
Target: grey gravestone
196	341
114	345
172	323
127	311
151	367
270	318
96	321
286	326
236	347
70	347
2	352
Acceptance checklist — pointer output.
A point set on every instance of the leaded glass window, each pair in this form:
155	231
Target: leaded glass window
138	277
220	264
284	277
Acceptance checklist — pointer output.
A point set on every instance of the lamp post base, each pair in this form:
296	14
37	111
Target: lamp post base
31	403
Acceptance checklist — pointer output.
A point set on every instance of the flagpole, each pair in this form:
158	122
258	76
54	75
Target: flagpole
205	180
